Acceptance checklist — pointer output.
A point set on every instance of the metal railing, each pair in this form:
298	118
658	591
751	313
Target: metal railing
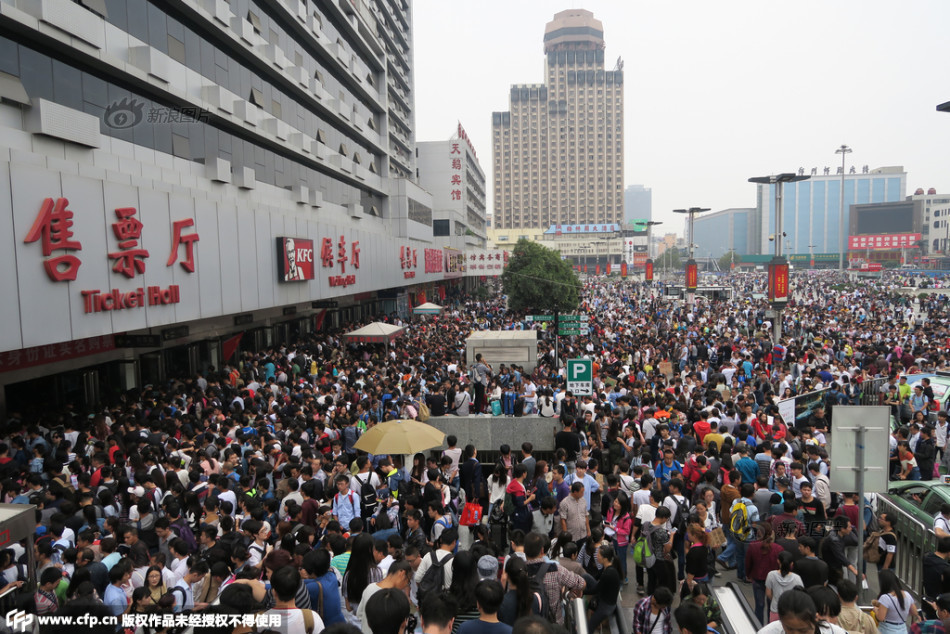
579	614
914	540
870	391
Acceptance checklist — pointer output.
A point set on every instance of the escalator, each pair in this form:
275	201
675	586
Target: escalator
737	615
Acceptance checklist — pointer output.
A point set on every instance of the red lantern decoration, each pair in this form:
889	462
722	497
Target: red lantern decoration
623	270
692	275
648	271
778	281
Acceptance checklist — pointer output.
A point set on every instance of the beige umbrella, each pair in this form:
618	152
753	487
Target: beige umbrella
400	437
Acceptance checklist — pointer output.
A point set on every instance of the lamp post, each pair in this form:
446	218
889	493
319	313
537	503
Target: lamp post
692	273
811	256
844	150
778	267
648	268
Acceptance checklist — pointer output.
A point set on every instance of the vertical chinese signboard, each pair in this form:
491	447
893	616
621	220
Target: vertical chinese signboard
778	281
623	270
692	275
648	271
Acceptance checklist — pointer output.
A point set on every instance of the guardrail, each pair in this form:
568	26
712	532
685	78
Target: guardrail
870	391
580	615
914	540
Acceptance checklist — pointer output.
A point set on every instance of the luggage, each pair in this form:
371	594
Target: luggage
496	408
519	407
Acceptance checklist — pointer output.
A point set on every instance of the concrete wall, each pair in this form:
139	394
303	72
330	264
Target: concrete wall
489	433
504	346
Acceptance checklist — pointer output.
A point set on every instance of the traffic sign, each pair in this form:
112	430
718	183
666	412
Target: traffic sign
564	332
539	318
574	318
580	377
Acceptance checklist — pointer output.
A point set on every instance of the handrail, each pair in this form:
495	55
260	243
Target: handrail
620	617
738	616
580	616
914	540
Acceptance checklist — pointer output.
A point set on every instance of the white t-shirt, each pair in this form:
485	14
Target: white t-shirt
292	621
775	627
370	590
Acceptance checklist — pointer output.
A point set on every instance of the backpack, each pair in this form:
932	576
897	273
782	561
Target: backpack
424	412
509	505
642	553
434	578
537	587
682	515
183	531
739	520
368	500
872	554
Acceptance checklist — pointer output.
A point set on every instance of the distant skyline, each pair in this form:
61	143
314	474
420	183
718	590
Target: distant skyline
705	107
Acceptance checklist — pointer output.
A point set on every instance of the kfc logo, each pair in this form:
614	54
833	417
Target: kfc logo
294	259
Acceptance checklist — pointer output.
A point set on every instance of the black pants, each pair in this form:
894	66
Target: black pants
479	397
663	573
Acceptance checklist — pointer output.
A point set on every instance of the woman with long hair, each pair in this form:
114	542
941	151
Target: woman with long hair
780	581
608	587
520	599
155	583
361	571
697	558
417	474
894	606
702	596
462	589
761	558
497	484
621	523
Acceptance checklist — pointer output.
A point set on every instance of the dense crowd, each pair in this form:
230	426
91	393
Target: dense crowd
240	493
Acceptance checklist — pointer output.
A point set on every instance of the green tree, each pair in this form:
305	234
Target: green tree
669	260
536	278
725	262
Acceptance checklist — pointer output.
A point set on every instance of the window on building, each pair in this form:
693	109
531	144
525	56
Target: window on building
255	21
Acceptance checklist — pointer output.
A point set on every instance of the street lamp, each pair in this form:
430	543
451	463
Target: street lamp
648	268
692	274
811	255
778	267
844	150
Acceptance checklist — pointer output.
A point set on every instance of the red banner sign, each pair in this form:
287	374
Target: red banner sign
608	268
623	270
884	241
294	259
41	355
778	282
692	276
648	271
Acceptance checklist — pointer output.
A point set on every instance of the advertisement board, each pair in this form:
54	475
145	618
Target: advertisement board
294	259
884	241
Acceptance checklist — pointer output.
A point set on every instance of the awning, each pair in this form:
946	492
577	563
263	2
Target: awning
376	332
427	309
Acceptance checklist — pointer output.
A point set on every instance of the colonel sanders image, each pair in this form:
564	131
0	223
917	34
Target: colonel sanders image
292	272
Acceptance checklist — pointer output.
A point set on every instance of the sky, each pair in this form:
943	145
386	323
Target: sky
715	92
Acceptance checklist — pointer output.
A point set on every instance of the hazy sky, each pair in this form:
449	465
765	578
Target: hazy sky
715	92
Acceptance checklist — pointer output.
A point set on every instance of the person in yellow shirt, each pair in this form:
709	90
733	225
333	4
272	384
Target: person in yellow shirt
903	389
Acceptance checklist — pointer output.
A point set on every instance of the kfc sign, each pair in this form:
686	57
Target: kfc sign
294	260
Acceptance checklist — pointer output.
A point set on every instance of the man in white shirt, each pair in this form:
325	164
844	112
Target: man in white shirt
447	541
184	596
293	620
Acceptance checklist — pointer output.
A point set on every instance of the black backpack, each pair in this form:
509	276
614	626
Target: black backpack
434	578
682	514
537	586
368	500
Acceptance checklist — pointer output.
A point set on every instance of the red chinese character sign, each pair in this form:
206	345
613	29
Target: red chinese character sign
648	271
53	227
884	241
608	268
294	260
623	270
130	258
179	237
692	275
778	281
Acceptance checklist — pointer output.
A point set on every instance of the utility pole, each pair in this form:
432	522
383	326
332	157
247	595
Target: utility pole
692	271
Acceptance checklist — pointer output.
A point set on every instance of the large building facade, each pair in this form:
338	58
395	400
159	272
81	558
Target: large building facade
723	231
173	173
557	153
812	207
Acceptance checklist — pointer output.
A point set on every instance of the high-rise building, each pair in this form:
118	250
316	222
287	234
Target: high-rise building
557	153
812	207
449	170
637	203
936	220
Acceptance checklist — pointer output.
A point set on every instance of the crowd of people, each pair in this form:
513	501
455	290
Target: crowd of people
238	493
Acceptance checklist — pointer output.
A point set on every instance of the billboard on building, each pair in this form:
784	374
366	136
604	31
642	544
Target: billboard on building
294	259
884	241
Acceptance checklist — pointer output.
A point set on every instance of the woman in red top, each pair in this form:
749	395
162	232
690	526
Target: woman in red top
761	558
621	523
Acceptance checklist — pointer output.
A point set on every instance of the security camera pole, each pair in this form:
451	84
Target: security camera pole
778	267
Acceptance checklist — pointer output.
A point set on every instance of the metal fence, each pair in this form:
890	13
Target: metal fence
914	540
871	392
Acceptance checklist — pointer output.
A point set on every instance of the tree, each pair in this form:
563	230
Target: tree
669	260
536	278
725	262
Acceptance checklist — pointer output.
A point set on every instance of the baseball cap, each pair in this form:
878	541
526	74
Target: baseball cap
487	567
137	491
782	480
